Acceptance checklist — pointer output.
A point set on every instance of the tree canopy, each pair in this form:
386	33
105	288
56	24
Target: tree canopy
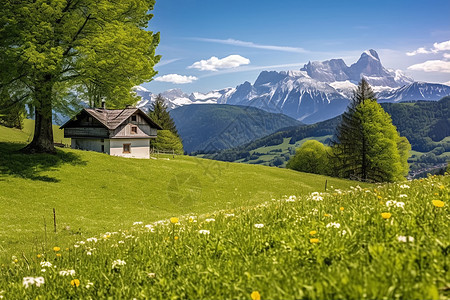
367	146
94	49
311	157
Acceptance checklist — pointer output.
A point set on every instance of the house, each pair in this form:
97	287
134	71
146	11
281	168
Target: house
120	132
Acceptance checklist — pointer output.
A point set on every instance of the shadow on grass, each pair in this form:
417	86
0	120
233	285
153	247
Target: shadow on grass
30	166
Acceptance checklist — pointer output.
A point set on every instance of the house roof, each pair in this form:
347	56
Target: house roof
113	118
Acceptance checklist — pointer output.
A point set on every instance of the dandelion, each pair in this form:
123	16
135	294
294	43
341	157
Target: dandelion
438	203
117	263
314	240
341	208
327	215
313	232
204	231
67	272
333	224
210	220
38	256
176	238
255	295
75	282
29	281
58	254
56	249
173	220
259	225
441	187
386	215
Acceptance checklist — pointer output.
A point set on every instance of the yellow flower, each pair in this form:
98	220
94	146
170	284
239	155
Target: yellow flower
386	215
341	208
313	232
75	282
58	255
16	260
314	241
38	256
56	249
67	249
438	203
441	187
173	220
379	197
255	295
176	238
326	215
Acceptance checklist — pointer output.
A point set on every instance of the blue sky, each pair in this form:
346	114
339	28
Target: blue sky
213	44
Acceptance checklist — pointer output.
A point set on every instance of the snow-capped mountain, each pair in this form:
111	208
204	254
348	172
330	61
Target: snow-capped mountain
316	92
176	97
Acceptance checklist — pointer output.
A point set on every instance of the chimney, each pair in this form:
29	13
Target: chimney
103	104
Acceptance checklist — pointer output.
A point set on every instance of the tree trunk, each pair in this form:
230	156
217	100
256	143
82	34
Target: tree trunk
43	132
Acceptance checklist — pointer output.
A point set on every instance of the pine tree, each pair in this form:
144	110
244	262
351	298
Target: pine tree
159	114
367	146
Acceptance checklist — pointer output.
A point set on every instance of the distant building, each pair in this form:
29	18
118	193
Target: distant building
119	132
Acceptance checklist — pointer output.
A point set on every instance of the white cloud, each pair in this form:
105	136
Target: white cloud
253	45
447	55
447	83
432	66
175	78
437	47
214	63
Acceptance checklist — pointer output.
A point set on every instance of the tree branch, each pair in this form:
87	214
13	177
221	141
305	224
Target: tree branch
76	35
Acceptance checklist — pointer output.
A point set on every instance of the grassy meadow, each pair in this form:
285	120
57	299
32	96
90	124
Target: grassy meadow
384	242
93	192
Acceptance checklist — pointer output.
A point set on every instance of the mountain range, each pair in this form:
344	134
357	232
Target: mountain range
316	92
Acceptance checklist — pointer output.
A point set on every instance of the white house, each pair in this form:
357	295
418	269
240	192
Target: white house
120	132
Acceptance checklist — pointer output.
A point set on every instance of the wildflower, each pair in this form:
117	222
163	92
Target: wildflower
43	270
438	203
343	232
313	241
313	232
75	282
210	220
255	295
76	246
67	272
291	199
327	215
89	253
121	242
203	231
259	225
405	239
176	238
150	228
56	249
404	186
137	223
81	242
390	203
46	264
89	285
403	196
37	281
92	239
400	204
151	275
118	262
333	224
441	187
341	208
58	254
229	215
38	256
386	215
173	220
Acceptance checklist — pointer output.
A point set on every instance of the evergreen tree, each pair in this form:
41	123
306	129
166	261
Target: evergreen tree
159	114
367	146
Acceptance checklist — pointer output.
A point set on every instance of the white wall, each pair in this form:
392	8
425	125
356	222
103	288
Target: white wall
140	148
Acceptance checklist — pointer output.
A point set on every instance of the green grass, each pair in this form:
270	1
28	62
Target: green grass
93	192
58	134
388	242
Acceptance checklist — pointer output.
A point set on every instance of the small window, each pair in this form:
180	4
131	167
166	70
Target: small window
102	140
126	148
133	118
133	129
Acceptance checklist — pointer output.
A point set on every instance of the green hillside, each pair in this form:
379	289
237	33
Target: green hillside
210	127
425	123
94	192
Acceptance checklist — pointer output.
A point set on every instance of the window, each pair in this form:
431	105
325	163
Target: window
126	148
103	148
133	118
133	129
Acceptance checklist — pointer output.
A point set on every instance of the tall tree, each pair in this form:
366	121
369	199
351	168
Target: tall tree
158	113
51	48
367	146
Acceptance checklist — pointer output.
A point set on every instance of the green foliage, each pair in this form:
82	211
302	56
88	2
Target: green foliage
12	113
51	47
334	245
166	140
366	142
159	114
311	157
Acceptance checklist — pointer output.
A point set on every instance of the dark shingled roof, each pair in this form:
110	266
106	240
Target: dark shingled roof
113	118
